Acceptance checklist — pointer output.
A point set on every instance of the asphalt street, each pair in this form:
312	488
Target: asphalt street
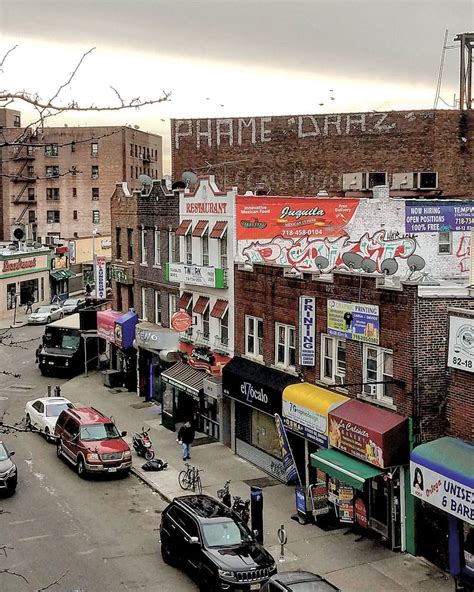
97	535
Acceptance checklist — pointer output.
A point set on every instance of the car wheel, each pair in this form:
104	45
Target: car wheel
167	556
207	582
44	372
59	449
61	315
47	435
81	468
48	320
29	425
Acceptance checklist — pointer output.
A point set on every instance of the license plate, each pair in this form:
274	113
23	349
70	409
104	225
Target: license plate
254	586
112	469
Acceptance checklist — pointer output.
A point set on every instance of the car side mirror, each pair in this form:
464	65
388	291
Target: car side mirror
12	453
123	434
194	540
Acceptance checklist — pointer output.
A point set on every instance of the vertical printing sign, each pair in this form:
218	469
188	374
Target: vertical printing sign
100	277
307	330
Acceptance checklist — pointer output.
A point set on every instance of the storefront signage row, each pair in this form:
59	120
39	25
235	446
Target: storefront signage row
202	358
353	320
307	317
444	493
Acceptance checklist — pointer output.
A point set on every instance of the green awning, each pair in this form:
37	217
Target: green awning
343	467
62	274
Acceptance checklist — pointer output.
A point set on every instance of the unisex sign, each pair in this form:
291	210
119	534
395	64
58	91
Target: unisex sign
353	320
436	217
307	330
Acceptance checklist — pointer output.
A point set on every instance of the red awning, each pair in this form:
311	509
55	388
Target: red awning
200	228
184	300
218	230
183	228
219	309
201	305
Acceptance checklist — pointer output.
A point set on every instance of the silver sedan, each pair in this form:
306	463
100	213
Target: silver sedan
45	314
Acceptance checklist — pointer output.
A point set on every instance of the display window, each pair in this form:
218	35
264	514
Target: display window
264	433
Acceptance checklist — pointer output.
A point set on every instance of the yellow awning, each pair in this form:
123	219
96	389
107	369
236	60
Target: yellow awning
306	407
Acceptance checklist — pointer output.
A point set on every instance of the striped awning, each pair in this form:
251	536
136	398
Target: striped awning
183	228
201	305
185	378
218	229
184	300
219	309
200	228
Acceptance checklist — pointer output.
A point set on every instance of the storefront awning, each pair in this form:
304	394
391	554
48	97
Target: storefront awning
306	408
200	228
184	377
218	230
183	228
62	274
450	457
184	300
344	467
219	309
201	305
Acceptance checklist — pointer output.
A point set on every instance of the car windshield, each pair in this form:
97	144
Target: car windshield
71	302
56	409
99	431
3	452
226	533
70	341
43	309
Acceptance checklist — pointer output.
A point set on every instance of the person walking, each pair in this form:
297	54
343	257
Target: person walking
186	438
29	306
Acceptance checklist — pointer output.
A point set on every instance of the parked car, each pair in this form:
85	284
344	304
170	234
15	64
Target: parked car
43	413
203	536
45	314
8	470
298	581
72	305
90	441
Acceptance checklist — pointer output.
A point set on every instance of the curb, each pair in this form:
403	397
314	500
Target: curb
142	476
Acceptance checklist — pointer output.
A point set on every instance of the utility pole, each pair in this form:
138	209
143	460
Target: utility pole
466	44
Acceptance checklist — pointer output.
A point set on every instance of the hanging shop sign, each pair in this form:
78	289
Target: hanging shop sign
202	358
181	322
100	277
123	274
352	320
151	336
71	247
124	332
106	324
287	458
307	318
461	343
197	275
438	217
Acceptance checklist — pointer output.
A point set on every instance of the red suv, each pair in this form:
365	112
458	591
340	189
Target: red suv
91	442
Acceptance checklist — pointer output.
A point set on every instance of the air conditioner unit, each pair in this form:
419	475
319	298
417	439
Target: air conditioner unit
291	272
374	179
339	379
352	181
426	180
370	390
402	180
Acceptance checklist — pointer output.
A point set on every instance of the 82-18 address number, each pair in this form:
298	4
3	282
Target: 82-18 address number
460	362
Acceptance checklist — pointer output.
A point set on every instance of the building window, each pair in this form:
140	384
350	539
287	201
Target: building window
378	367
285	345
136	150
30	150
333	359
94	149
95	171
31	216
118	242
73	170
52	171
173	248
95	216
95	193
52	217
205	323
31	194
157	307
224	328
30	171
52	193
445	243
131	149
130	244
223	251
73	146
189	310
205	249
131	172
144	315
74	214
16	121
188	242
157	247
254	337
74	191
143	250
51	150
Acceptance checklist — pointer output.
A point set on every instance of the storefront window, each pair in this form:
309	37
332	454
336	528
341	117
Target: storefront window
264	433
11	289
168	399
468	546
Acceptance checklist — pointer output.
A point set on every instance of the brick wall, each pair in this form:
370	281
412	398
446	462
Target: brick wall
300	154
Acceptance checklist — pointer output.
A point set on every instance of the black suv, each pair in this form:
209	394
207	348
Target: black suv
214	545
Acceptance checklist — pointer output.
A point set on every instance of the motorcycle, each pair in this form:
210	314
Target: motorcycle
142	444
241	508
224	494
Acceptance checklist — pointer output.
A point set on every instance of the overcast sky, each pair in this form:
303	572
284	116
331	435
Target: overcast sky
231	58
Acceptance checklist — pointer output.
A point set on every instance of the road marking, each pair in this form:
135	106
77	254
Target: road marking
89	552
35	538
23	521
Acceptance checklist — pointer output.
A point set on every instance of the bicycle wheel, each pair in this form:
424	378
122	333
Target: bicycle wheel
183	480
198	485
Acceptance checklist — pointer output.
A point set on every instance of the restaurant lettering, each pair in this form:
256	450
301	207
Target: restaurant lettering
17	265
252	393
206	208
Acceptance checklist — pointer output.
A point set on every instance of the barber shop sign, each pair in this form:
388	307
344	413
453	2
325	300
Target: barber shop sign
307	317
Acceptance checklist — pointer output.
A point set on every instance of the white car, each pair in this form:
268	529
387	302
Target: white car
43	413
45	314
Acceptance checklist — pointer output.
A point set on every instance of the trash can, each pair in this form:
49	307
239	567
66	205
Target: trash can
112	378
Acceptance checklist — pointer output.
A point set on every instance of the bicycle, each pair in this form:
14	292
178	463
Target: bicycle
224	494
190	479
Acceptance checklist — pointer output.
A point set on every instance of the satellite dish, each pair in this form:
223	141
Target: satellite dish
368	265
19	233
145	180
416	263
178	185
389	266
321	262
352	260
189	177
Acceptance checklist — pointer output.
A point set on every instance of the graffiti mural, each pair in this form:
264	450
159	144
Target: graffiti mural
463	253
314	254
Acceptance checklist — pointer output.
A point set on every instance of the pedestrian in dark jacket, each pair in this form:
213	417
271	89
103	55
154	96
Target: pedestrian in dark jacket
186	438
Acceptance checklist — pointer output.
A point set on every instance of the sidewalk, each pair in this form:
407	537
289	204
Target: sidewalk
21	319
351	563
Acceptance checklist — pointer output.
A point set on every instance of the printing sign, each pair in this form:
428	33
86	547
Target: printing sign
353	320
461	343
446	494
307	330
100	277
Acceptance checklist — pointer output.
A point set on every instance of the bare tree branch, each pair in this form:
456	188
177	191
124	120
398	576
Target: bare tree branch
13	573
6	56
55	583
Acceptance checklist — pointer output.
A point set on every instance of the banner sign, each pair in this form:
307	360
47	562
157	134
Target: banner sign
352	320
446	494
307	316
319	498
461	343
106	324
436	217
307	422
196	275
288	461
345	504
100	277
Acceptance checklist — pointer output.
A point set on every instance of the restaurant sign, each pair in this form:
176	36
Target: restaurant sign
353	320
202	358
197	275
123	274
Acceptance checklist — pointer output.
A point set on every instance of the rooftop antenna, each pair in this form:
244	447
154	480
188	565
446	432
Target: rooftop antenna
466	42
440	71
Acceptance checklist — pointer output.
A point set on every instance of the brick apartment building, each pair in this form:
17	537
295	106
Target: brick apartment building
59	181
301	154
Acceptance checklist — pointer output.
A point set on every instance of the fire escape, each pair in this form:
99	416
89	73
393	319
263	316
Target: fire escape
24	179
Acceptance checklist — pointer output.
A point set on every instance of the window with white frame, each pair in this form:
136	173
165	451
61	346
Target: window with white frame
157	243
157	307
445	243
285	350
172	304
223	251
224	328
188	244
143	252
378	367
205	249
189	310
173	247
254	336
333	359
205	323
144	313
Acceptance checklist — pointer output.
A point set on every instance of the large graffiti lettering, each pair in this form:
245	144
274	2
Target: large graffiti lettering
303	254
464	253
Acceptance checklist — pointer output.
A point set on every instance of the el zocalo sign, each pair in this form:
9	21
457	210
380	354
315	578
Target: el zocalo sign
307	330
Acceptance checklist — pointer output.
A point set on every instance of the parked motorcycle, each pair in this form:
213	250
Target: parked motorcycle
224	494
142	444
242	508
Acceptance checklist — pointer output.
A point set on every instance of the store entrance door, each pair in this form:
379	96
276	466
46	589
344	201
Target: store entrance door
379	504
